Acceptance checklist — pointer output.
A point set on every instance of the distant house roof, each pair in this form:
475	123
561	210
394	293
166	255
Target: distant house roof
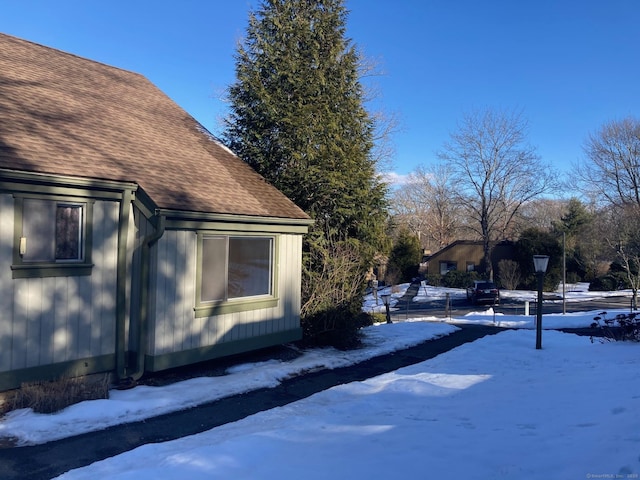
451	246
65	115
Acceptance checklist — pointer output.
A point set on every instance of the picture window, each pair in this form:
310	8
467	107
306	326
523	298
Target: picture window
235	267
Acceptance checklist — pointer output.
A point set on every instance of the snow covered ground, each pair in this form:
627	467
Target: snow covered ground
494	408
573	293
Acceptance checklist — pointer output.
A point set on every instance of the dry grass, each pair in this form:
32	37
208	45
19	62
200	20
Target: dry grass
53	396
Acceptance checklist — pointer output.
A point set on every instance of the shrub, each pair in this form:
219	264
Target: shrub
458	279
608	282
405	256
53	396
573	277
392	275
509	274
378	318
337	327
623	327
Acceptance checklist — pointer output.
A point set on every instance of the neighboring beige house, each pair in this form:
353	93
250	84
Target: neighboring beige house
464	255
131	240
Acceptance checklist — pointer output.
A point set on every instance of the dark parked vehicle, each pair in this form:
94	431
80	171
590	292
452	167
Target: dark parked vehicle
483	291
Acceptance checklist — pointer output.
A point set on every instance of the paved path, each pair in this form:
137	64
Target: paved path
54	458
407	308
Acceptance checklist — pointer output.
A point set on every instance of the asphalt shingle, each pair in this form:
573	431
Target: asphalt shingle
66	115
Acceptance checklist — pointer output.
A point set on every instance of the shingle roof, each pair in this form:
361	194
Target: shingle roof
65	115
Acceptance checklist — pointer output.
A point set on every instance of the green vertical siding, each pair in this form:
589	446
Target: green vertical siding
175	327
58	319
6	282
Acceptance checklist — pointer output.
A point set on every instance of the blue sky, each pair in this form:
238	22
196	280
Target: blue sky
568	65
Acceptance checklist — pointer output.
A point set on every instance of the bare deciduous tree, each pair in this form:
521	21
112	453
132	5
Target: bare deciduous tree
495	172
542	213
425	205
409	208
623	235
612	167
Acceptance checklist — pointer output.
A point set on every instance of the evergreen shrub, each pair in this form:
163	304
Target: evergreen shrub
609	282
336	327
458	279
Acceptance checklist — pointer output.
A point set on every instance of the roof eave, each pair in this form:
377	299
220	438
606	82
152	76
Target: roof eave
16	177
217	221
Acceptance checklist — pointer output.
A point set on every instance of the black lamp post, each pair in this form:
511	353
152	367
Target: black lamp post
386	299
540	266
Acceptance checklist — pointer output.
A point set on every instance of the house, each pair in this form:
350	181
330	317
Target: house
131	239
464	255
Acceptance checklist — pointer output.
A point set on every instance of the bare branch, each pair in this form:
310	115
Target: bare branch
611	171
496	171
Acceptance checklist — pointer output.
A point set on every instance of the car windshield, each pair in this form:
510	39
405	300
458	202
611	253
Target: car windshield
485	286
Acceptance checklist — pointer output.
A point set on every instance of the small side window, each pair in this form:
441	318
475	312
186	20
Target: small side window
52	238
447	266
51	231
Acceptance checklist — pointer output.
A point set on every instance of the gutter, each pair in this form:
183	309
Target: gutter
145	285
202	217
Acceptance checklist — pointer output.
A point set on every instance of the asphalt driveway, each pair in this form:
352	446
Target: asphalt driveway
52	459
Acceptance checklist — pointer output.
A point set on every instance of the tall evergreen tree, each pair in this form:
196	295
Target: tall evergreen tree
298	117
405	256
583	245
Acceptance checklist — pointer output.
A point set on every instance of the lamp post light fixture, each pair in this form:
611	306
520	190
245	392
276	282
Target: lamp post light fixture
386	298
540	263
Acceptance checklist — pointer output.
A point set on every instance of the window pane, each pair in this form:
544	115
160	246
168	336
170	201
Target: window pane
38	229
214	252
447	266
250	269
68	231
